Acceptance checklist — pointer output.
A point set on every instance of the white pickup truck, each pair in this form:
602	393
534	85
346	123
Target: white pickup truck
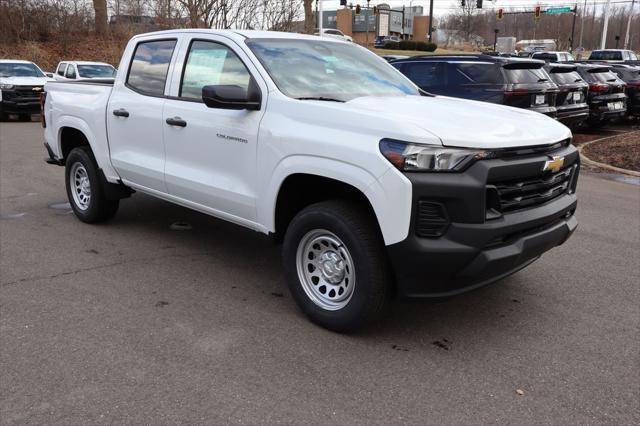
375	188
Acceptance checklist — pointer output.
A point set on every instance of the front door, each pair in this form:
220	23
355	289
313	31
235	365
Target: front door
211	152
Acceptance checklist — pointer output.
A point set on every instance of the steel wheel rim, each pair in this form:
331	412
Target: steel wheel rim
325	269
80	186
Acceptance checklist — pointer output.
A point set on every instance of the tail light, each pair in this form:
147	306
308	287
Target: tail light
43	98
596	87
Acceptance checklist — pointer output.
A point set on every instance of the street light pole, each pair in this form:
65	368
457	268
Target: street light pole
605	27
495	39
626	37
584	9
430	20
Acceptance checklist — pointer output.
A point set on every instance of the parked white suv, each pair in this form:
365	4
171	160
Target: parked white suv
21	83
83	70
375	188
333	33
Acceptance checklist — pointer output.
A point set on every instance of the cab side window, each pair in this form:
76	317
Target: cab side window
71	72
61	69
209	63
149	67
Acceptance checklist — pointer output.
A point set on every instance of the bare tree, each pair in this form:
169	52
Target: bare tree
309	24
100	11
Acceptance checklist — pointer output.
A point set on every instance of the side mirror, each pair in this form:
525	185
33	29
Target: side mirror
232	96
49	74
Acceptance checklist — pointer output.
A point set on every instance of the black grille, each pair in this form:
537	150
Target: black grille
22	94
432	219
528	192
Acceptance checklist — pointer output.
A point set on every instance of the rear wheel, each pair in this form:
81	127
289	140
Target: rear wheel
336	265
84	189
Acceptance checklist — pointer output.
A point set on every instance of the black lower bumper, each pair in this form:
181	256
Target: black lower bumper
573	116
10	107
477	249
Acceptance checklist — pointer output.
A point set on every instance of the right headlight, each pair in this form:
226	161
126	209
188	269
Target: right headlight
6	86
410	157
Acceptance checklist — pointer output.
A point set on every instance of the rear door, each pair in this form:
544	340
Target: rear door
134	114
211	154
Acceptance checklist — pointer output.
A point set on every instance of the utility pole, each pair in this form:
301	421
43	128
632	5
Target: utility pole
584	9
495	39
319	16
403	22
626	37
431	21
573	27
366	22
607	9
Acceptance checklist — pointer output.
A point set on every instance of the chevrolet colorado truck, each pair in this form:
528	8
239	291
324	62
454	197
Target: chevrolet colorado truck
375	188
21	84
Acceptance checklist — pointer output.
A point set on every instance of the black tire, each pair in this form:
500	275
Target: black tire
99	208
359	232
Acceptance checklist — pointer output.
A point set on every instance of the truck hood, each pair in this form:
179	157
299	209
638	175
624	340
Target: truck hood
25	81
464	123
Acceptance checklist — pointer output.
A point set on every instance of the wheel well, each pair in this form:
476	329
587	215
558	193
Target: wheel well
301	190
71	138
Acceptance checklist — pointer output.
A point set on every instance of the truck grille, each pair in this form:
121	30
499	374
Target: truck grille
22	94
528	192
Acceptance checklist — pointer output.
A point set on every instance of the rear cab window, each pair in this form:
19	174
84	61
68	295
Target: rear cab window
149	66
606	55
61	68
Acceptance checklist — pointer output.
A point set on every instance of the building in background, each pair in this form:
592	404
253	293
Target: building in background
407	23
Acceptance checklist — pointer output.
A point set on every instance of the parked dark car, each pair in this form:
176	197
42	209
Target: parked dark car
516	82
631	76
571	101
390	58
382	41
606	99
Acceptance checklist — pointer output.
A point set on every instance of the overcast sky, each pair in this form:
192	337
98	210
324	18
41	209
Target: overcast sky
442	7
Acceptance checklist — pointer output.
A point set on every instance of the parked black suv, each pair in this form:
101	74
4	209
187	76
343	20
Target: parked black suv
631	76
516	82
571	101
606	98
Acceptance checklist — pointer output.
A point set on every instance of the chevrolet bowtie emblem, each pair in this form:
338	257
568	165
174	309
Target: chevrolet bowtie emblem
36	89
554	165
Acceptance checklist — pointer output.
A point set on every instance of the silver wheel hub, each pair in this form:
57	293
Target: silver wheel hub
80	186
325	269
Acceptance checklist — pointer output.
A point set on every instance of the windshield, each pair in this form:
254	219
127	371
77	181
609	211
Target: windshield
526	75
565	77
96	71
334	71
19	70
606	55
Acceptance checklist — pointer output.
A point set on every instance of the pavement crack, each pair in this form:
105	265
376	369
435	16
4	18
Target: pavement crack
109	265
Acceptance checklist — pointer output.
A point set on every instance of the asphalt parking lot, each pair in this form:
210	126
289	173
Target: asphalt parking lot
136	321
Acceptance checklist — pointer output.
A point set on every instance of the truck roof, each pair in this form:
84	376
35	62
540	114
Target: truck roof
239	35
84	63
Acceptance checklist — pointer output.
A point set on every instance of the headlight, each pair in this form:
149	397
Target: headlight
6	86
408	157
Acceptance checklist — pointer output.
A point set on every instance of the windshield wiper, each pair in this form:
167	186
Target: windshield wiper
319	98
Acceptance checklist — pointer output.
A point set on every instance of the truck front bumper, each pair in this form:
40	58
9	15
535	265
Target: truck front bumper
476	244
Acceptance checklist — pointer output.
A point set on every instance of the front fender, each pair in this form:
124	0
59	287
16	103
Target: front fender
390	196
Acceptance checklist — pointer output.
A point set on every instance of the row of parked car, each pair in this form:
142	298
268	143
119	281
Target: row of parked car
572	92
22	82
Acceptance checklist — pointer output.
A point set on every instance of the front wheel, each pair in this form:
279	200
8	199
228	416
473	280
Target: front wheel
84	189
336	265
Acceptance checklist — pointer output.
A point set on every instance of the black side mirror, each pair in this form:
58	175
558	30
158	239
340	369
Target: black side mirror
232	96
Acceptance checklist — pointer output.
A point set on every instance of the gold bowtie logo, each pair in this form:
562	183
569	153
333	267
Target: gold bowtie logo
554	165
36	89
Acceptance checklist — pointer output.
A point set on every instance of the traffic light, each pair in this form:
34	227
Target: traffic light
499	14
375	10
537	12
479	4
343	2
357	9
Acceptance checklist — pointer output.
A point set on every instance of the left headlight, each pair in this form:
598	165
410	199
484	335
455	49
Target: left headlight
6	86
409	157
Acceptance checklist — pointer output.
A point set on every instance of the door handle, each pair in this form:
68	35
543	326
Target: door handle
121	112
176	121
